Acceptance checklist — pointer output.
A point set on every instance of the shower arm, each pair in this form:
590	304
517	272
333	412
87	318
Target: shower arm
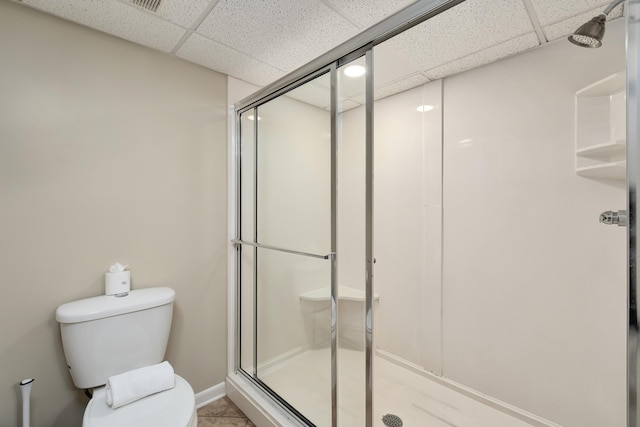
611	6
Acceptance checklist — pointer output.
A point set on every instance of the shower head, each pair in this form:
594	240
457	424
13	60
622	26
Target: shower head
591	34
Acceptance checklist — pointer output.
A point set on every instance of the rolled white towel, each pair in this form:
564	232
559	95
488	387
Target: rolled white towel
130	386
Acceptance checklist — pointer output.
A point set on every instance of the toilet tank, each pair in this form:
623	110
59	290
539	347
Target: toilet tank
107	335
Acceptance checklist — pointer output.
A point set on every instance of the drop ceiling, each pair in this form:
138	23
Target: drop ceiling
259	41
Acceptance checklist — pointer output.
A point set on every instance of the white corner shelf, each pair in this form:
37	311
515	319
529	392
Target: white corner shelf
604	87
607	149
616	170
601	116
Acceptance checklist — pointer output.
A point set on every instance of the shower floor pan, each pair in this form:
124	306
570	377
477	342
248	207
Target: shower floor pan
304	381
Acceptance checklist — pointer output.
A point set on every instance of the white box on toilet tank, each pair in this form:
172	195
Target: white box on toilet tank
117	283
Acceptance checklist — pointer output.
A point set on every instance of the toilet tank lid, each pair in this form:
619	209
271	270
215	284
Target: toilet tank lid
103	306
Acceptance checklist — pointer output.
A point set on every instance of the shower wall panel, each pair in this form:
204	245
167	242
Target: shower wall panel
407	222
534	287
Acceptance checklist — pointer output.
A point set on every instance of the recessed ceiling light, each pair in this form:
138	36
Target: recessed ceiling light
251	117
354	71
425	108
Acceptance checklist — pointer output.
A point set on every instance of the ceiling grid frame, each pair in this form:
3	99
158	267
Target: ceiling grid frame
195	26
533	16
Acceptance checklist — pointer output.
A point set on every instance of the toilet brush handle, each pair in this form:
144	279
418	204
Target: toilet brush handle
25	388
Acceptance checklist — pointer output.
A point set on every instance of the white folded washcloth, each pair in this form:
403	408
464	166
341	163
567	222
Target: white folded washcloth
130	386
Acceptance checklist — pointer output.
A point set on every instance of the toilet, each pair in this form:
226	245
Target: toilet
108	335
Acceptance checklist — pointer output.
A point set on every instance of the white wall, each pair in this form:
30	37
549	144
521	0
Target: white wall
534	289
108	152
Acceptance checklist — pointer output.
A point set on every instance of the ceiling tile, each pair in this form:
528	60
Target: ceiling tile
568	26
462	30
213	55
552	11
116	18
283	33
494	53
182	12
367	12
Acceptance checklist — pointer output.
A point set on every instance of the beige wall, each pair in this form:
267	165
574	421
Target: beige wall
108	152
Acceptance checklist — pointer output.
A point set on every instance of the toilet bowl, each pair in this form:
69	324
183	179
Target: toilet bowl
108	335
171	408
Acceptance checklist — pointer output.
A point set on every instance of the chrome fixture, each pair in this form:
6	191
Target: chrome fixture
591	34
618	218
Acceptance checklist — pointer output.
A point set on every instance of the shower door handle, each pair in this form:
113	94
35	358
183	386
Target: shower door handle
610	217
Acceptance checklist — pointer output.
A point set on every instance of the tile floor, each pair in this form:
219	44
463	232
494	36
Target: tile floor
222	412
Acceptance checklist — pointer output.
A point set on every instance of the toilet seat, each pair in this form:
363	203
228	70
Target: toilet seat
171	408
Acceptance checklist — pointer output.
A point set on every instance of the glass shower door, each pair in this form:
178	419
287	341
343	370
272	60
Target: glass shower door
302	265
286	266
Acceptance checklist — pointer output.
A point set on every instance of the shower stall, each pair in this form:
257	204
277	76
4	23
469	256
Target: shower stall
426	250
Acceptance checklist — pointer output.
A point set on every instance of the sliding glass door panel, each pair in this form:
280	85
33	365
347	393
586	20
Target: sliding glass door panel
246	204
351	240
247	175
247	308
287	249
294	331
294	182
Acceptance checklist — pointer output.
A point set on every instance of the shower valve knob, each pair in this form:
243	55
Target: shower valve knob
610	217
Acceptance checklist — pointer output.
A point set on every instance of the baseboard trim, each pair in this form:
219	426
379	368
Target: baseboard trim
209	395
